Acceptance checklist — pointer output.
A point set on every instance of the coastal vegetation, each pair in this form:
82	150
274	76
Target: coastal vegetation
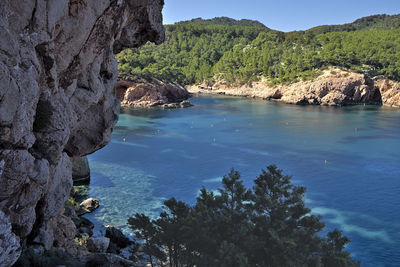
266	225
240	52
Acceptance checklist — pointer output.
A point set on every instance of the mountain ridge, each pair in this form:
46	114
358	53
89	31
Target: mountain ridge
224	21
376	21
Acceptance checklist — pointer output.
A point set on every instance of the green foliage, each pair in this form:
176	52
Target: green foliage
240	52
266	225
366	23
81	241
225	21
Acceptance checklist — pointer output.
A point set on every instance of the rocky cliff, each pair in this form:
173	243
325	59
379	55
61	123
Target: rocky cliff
57	101
334	87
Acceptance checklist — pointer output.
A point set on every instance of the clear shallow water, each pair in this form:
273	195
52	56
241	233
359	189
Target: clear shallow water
157	154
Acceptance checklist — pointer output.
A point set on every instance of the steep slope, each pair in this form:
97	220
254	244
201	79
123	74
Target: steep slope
57	101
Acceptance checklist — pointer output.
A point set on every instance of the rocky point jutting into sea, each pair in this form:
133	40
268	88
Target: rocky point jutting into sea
57	101
334	87
152	94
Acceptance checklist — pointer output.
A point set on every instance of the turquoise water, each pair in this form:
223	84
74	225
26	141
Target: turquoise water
157	154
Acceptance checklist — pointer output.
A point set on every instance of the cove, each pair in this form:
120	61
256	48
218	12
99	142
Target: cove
347	157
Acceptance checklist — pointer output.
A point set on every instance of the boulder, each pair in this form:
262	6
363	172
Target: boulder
98	244
186	104
88	206
117	237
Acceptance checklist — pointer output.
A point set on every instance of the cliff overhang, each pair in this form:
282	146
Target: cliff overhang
57	101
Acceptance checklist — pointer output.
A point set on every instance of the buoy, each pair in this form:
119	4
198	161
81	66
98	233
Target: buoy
326	162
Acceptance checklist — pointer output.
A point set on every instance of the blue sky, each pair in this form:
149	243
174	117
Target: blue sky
284	15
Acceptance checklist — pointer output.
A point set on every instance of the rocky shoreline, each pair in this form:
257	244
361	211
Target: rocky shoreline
334	88
152	94
80	247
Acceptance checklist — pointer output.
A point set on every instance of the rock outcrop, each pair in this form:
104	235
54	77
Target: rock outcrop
57	101
152	94
80	170
390	92
334	87
98	244
117	237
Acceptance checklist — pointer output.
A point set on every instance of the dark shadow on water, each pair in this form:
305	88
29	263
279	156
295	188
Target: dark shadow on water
127	131
121	128
154	113
352	139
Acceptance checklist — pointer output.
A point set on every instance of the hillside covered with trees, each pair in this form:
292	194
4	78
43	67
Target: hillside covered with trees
239	52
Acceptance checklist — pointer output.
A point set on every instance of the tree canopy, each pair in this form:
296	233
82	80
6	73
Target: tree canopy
239	52
266	225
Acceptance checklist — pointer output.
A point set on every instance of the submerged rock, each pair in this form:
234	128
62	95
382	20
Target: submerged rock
186	104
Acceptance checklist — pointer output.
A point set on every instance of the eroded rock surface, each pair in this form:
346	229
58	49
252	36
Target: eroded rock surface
57	75
10	248
152	94
334	87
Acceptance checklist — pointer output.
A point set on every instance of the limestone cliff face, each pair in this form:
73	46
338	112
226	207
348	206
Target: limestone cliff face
334	87
57	75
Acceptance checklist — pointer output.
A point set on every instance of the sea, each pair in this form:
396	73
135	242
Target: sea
348	158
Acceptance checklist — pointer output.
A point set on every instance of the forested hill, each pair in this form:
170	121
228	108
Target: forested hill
238	52
225	21
366	23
